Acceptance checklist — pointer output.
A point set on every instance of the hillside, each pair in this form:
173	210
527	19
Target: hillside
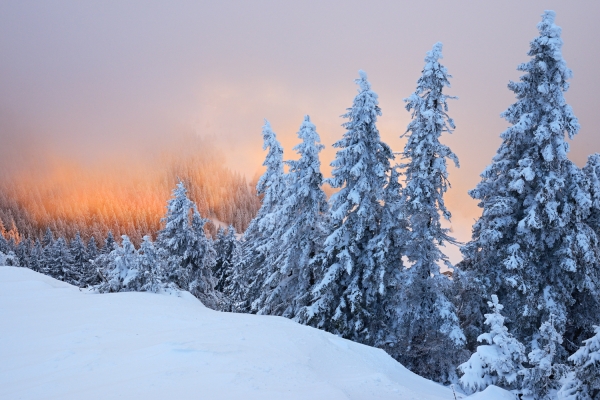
62	343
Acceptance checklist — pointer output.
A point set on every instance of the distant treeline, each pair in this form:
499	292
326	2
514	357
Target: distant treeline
71	199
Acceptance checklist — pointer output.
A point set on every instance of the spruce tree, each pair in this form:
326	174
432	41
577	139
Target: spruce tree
123	272
185	250
23	253
257	243
234	289
533	245
348	289
299	231
499	361
224	246
60	264
150	267
543	378
37	254
584	382
430	338
80	256
388	247
201	256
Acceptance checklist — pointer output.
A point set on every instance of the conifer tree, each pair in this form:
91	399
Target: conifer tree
60	264
499	361
37	254
299	231
224	246
543	378
430	337
123	273
92	249
348	290
234	289
591	171
201	255
533	245
388	247
187	254
80	255
109	243
584	382
150	267
23	253
257	244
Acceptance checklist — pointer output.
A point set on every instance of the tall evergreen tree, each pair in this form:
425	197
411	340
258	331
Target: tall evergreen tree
533	245
257	244
109	243
37	255
346	294
591	171
23	253
430	337
80	255
224	247
150	267
388	247
187	254
234	289
202	256
60	263
299	231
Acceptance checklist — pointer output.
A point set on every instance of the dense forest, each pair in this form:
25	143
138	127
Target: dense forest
520	311
71	199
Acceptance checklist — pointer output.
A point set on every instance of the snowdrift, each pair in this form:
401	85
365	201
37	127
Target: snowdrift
57	342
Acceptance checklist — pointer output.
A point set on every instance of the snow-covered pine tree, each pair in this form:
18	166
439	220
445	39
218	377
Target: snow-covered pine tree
299	231
498	362
123	272
200	259
109	243
584	382
37	254
3	242
388	247
46	258
80	256
60	264
257	238
234	289
224	246
91	276
221	252
185	251
92	249
150	266
23	253
543	378
430	338
533	245
348	289
591	171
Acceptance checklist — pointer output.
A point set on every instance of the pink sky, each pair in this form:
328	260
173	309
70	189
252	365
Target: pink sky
117	80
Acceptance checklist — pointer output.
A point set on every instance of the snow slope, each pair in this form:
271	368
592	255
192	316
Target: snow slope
57	342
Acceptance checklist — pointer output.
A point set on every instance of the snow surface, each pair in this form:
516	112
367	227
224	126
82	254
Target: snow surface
57	342
493	393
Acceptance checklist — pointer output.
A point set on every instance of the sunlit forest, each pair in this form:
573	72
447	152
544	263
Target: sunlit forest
70	197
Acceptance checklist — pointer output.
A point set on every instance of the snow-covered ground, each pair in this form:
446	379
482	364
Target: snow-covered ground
57	342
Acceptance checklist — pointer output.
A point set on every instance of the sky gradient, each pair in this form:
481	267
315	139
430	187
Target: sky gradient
118	81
